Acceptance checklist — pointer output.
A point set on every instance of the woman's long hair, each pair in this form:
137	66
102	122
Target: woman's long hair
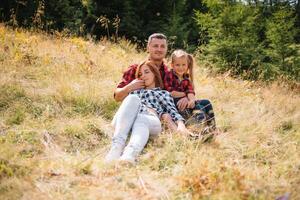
154	69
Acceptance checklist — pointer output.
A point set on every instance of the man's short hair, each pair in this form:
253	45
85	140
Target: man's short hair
157	36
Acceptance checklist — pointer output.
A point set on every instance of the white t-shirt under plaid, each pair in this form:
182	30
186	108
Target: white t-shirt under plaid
158	100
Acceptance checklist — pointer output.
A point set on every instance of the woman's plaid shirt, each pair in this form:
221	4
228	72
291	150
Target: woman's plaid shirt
159	100
172	83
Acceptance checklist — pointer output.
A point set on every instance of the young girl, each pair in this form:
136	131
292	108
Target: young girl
179	82
140	112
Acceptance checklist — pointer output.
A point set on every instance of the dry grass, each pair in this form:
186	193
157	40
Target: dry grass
56	104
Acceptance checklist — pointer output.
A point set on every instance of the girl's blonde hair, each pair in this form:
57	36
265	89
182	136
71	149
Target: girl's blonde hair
181	53
154	70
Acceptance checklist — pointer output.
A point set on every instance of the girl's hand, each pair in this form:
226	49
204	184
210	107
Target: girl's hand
191	104
182	103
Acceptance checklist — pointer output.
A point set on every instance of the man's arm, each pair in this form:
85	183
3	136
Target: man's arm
121	93
128	84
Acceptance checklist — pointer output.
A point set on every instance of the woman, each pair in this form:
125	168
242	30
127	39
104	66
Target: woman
140	112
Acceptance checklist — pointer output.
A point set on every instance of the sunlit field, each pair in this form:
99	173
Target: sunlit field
56	104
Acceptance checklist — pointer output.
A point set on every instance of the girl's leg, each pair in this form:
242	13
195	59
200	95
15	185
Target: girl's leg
144	125
123	122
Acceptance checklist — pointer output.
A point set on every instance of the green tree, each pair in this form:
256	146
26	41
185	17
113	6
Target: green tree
254	40
232	31
63	14
280	35
19	12
177	30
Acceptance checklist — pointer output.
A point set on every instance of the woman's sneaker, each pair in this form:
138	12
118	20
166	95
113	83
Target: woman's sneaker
114	153
129	155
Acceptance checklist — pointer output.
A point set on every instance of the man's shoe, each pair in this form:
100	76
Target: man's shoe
199	116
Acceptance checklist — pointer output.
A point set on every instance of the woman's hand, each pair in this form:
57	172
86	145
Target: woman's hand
182	129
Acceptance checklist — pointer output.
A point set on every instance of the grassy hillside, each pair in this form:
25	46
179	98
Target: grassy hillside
56	104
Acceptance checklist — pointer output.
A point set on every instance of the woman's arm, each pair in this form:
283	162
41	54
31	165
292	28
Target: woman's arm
170	108
168	105
167	119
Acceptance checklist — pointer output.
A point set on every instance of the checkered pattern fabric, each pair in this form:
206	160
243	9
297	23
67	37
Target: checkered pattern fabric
129	74
158	100
172	83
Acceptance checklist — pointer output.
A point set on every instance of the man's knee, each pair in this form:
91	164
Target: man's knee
204	102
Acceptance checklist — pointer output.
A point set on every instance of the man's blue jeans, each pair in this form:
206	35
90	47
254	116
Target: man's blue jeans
206	113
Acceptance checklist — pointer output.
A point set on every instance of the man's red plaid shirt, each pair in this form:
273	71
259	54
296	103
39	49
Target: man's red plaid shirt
172	83
129	74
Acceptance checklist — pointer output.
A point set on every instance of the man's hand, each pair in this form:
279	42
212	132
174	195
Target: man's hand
135	85
121	93
182	103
